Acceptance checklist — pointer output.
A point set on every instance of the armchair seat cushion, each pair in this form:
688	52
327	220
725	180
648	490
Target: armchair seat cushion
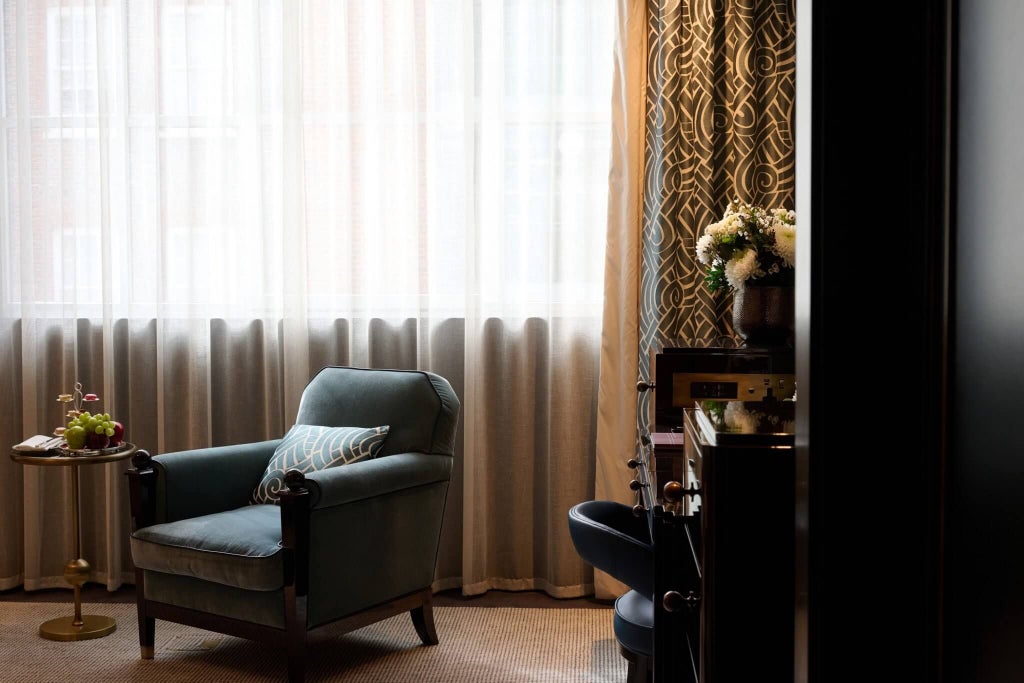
634	623
240	548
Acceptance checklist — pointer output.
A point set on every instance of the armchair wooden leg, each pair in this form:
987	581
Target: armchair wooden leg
639	669
423	620
295	634
296	668
147	625
147	636
296	647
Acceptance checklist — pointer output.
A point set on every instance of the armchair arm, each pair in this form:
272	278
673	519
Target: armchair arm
387	512
377	477
207	480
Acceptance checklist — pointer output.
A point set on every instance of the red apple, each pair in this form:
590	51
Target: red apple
118	436
96	441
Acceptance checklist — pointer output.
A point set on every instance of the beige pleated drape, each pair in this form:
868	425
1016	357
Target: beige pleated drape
617	405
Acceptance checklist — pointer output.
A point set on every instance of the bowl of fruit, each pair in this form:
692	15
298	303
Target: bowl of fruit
93	432
89	433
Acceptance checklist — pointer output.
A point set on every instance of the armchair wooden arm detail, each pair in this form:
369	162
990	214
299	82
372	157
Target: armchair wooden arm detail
295	531
142	490
295	544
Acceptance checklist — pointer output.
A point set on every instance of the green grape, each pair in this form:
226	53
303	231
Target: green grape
85	414
106	416
98	429
109	431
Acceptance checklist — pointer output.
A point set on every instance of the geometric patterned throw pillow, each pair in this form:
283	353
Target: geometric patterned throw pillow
309	448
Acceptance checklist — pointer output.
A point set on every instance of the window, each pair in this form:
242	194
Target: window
219	158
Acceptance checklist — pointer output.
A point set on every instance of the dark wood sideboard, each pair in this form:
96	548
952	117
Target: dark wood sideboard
723	537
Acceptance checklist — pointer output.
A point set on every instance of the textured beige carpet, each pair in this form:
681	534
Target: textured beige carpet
478	645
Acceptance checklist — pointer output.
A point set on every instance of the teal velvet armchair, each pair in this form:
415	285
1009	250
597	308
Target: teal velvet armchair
349	545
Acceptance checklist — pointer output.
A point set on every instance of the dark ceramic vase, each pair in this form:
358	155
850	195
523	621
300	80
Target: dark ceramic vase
763	316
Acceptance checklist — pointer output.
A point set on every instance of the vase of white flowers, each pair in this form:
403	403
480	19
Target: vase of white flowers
763	315
752	251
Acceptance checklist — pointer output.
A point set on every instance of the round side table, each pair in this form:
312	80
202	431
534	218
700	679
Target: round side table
76	572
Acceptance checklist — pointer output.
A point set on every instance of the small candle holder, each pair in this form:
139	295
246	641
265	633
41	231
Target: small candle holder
78	397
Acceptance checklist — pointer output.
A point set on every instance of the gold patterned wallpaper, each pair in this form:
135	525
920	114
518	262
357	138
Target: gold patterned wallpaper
720	117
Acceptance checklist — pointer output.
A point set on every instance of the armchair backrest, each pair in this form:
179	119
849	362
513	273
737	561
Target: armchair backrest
420	407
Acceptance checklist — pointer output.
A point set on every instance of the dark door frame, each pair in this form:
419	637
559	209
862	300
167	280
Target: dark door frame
875	115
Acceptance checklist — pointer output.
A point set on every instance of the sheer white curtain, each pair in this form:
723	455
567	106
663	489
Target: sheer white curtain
206	201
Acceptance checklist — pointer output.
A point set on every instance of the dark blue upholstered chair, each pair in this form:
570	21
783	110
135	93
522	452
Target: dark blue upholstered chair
608	536
348	545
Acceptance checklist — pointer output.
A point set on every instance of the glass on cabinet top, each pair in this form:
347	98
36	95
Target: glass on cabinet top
771	422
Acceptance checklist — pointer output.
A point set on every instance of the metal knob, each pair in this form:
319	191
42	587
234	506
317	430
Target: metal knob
644	386
673	491
632	463
639	510
673	601
635	485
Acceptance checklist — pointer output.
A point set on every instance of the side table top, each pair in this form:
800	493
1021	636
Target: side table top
57	458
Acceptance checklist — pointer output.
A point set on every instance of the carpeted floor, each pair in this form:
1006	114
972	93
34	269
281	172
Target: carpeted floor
93	592
478	645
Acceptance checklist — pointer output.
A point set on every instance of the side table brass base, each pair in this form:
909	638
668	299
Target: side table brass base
93	626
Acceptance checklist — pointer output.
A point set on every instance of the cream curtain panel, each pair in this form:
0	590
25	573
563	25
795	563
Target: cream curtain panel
206	201
617	405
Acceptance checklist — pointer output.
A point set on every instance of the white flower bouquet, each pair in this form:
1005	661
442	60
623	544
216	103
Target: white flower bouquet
750	245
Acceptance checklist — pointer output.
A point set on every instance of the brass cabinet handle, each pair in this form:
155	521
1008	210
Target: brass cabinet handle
673	491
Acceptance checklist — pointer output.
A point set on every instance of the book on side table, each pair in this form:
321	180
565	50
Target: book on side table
40	443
